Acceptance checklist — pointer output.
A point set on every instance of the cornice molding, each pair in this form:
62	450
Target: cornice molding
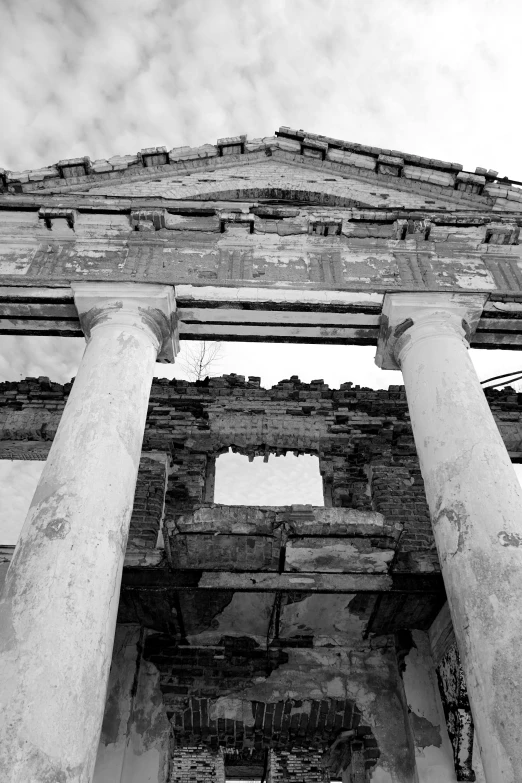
417	173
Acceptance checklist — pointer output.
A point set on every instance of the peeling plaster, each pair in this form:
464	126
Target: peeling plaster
328	617
135	735
57	528
425	732
509	539
246	614
433	752
234	709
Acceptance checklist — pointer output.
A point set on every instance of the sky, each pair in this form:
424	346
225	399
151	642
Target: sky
106	77
285	480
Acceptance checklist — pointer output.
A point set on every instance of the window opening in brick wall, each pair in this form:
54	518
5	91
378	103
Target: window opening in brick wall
281	481
18	480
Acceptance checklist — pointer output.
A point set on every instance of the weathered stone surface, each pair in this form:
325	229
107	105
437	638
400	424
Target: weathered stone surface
64	578
305	149
261	638
134	742
477	529
369	254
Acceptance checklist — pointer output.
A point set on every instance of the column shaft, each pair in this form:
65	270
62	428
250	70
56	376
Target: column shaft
476	507
58	609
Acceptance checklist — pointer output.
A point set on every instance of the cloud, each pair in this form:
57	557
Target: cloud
57	358
18	482
112	76
281	481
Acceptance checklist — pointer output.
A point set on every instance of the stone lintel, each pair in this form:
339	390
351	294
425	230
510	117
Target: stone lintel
155	303
297	520
401	311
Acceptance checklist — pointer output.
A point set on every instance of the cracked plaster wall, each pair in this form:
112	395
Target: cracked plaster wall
433	751
135	733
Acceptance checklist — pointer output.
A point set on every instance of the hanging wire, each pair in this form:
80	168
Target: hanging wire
518	373
502	383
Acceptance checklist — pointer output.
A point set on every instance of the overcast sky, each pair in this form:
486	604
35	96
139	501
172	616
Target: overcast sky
105	77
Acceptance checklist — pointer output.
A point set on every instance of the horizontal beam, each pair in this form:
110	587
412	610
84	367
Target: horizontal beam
315	583
264	297
137	577
41	327
265	581
508	340
215	316
252	315
254	582
30	294
285	334
159	578
20	310
153	577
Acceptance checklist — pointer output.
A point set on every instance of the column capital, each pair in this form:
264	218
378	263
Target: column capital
419	315
151	308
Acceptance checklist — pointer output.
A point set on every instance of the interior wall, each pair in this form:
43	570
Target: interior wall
433	751
134	742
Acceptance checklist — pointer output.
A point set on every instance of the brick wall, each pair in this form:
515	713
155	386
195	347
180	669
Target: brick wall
298	765
306	764
363	439
149	499
197	765
203	687
204	672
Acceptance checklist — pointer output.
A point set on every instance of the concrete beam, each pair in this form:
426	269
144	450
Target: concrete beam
252	315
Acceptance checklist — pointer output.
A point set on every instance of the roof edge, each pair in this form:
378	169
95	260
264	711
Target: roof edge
311	146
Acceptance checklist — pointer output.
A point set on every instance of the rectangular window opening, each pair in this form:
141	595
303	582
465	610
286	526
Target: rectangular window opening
279	481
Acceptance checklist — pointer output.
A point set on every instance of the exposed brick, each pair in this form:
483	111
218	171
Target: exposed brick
197	765
363	439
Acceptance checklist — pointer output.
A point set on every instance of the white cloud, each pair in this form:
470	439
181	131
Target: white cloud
112	76
57	358
282	481
18	482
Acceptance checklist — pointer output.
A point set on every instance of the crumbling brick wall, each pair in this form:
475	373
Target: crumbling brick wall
297	765
197	765
362	437
149	499
200	673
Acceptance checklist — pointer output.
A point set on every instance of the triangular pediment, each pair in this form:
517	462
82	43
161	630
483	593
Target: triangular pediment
272	179
292	166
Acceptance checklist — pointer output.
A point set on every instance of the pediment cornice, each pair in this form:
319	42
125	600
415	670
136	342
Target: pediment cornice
315	153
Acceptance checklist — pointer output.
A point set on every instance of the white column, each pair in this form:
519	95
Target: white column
58	609
475	502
